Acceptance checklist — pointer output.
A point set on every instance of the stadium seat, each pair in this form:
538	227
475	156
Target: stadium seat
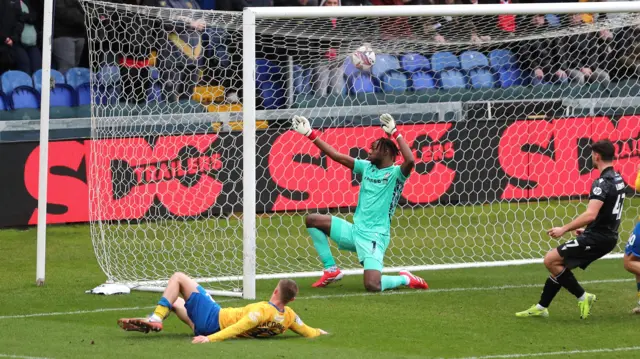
361	83
25	97
552	20
83	94
447	68
419	67
476	66
349	68
504	65
387	70
108	76
154	93
56	78
14	79
62	96
4	104
415	63
267	71
273	95
302	80
78	76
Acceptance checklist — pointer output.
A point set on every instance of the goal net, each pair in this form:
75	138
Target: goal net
499	111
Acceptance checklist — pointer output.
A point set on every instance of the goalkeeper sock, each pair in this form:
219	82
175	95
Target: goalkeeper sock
393	281
570	283
162	310
638	284
551	288
321	243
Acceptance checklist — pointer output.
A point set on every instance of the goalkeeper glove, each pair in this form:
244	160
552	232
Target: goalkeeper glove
389	125
301	125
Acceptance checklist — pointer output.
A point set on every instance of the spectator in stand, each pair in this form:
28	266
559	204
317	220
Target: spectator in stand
295	3
19	38
68	34
444	29
627	51
584	56
539	56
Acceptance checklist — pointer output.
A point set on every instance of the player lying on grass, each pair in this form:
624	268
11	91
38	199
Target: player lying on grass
600	237
211	323
632	251
368	236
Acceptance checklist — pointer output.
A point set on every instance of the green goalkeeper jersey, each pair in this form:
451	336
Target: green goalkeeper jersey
380	191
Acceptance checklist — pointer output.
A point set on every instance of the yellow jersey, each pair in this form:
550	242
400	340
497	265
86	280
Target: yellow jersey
259	320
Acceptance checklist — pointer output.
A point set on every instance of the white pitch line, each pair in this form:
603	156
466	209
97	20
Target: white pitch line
20	356
328	296
566	352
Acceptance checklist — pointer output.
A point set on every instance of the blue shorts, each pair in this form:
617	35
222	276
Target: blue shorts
633	245
204	312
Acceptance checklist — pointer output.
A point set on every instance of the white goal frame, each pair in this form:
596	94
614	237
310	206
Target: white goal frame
250	15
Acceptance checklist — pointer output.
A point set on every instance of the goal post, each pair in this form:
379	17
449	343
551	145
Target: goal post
193	167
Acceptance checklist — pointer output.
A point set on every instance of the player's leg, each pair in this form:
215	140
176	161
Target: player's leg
179	308
319	227
371	249
631	260
179	283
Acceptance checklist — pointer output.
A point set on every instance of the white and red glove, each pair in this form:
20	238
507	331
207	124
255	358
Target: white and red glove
389	125
301	125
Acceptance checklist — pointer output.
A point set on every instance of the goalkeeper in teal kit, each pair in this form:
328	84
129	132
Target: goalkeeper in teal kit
380	189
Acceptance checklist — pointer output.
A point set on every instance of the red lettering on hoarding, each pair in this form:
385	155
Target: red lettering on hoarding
66	191
543	156
327	184
176	169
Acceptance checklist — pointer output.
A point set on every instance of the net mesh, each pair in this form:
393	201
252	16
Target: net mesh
499	111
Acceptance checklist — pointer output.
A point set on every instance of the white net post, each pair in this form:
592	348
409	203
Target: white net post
249	154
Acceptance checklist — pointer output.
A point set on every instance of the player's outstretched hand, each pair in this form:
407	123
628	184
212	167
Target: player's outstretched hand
301	125
556	232
200	339
388	124
322	332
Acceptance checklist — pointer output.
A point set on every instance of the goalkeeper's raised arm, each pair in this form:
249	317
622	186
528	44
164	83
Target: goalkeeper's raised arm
301	125
389	126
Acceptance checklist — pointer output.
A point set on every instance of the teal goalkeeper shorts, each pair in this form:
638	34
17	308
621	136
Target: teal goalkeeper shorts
370	247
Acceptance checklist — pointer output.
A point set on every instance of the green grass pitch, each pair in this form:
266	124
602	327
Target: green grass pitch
467	313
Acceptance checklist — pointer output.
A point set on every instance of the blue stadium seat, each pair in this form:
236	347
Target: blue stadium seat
504	65
14	79
83	93
154	93
78	76
423	81
349	68
107	89
387	70
552	20
302	80
448	71
361	83
419	67
267	71
25	97
62	96
56	78
108	76
4	104
415	63
476	66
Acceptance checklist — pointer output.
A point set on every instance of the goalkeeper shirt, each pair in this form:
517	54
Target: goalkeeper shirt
260	320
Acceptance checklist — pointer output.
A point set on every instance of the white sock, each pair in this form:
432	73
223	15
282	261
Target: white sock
155	318
539	307
582	297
